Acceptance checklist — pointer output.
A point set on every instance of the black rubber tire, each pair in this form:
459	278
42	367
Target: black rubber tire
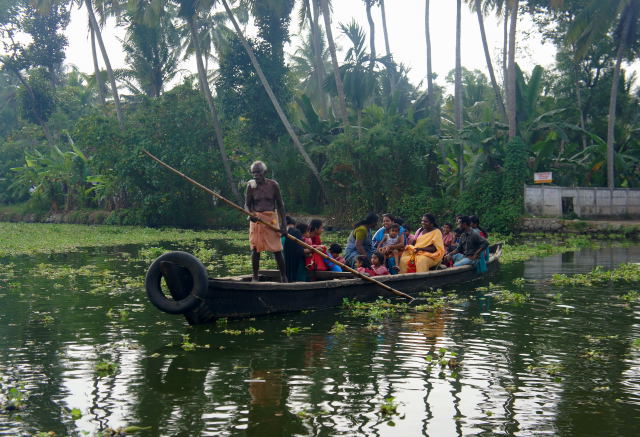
198	274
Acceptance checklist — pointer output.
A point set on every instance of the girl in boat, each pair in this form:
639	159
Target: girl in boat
426	250
377	265
359	241
294	254
314	261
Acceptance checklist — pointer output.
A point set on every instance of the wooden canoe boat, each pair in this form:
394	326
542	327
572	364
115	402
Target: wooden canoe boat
238	296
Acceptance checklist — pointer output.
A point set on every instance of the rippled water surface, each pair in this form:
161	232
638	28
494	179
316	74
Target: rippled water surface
562	363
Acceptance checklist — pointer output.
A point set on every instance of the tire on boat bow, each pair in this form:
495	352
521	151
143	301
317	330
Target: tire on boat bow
186	278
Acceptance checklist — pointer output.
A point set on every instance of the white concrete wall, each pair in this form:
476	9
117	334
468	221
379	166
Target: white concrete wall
546	201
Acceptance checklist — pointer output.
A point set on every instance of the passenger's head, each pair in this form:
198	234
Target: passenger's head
316	227
428	222
370	221
363	261
394	230
377	259
447	227
465	223
335	249
387	220
475	221
303	228
458	217
290	221
399	221
258	170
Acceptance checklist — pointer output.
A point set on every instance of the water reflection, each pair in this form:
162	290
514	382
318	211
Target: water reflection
560	364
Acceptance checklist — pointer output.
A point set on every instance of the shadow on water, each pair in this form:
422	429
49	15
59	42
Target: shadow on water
560	363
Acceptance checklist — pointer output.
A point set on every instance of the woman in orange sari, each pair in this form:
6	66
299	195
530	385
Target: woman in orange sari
426	250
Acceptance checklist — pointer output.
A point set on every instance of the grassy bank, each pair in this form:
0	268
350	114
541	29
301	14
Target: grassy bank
28	238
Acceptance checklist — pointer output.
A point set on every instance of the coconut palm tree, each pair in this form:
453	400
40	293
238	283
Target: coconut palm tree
478	7
188	11
458	93
107	63
342	102
383	12
372	33
428	40
597	18
310	13
511	71
265	84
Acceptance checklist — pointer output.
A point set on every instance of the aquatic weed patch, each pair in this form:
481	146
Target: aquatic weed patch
31	238
513	252
628	273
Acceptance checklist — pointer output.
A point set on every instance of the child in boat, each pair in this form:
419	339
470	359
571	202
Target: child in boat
377	265
390	239
363	265
335	250
448	237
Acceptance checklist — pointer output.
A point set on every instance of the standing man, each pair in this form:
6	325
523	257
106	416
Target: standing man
263	199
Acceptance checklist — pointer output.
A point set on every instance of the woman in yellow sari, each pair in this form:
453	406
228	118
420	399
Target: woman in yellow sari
426	250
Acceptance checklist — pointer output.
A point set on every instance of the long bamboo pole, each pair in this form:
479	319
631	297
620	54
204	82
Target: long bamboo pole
274	228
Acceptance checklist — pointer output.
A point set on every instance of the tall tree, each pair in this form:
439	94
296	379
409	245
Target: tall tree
477	5
511	72
274	100
595	21
96	67
427	34
342	101
310	12
372	33
383	12
188	11
107	63
458	94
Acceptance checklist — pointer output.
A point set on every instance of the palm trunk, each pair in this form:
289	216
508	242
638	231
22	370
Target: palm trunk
458	95
576	84
342	100
613	98
372	35
487	55
511	73
316	38
96	68
505	42
105	57
391	69
204	88
430	95
274	100
384	28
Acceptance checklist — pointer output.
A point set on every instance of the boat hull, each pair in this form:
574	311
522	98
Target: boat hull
239	297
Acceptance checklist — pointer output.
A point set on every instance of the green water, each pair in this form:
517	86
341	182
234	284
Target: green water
561	363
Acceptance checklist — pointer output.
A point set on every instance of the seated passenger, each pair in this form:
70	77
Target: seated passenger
377	265
294	254
363	265
448	237
471	245
359	241
475	225
334	252
333	267
387	221
427	250
390	246
315	262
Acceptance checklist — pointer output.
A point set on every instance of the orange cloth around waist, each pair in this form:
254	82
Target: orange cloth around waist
263	239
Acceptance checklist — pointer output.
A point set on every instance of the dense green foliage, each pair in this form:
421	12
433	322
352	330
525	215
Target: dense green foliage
61	149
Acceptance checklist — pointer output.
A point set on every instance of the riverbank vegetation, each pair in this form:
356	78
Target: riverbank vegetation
328	124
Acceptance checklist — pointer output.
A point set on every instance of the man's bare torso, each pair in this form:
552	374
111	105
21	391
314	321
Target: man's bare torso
263	197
